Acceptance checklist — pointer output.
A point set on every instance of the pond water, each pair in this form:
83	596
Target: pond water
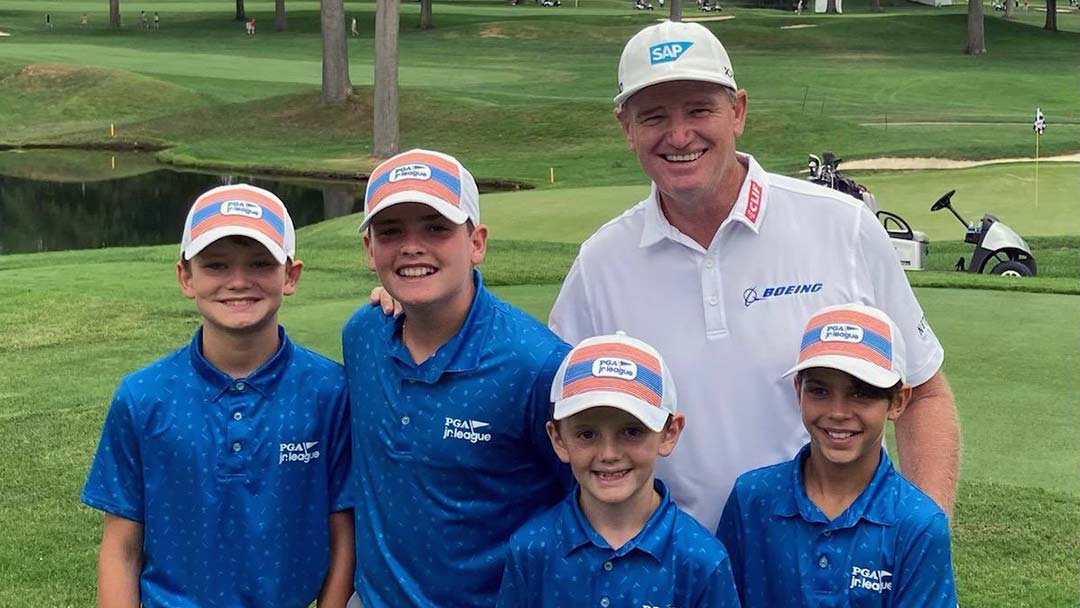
56	200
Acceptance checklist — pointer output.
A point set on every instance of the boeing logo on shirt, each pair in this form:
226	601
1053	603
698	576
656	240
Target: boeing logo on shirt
841	332
667	51
465	430
751	295
303	452
244	208
413	171
609	367
874	580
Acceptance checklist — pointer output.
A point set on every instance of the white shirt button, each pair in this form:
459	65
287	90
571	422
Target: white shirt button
240	386
405	420
236	446
827	532
608	566
237	416
713	300
605	602
823	562
708	263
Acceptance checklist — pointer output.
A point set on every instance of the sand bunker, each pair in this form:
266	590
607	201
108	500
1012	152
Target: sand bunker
4	34
699	19
944	163
798	26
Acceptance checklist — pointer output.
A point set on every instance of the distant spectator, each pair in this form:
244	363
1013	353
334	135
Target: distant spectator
352	27
48	21
84	20
142	20
250	26
157	21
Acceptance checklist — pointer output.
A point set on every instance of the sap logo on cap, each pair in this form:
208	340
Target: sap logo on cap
667	51
841	332
244	208
414	171
610	367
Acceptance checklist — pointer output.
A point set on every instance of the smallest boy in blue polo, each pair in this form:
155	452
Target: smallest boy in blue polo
838	526
618	540
222	468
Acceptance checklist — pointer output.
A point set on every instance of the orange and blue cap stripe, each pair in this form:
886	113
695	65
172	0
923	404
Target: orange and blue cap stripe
444	184
875	345
647	385
208	215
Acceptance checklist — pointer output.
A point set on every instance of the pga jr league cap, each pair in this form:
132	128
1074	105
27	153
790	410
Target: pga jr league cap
239	210
671	51
615	371
854	338
422	176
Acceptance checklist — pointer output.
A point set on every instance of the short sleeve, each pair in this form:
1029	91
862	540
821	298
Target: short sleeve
540	411
729	532
115	481
514	591
883	283
571	316
340	463
924	575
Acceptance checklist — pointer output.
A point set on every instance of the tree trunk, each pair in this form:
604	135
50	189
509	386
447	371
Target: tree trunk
876	5
1009	8
976	42
240	16
280	22
830	7
676	10
114	14
387	135
335	52
425	14
1051	16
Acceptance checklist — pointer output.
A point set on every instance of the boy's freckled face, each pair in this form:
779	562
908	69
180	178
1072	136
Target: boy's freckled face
612	454
845	423
421	257
237	284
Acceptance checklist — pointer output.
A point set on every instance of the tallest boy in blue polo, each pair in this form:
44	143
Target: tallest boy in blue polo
450	399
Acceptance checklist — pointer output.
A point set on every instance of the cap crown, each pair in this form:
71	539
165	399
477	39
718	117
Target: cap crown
670	51
423	176
854	338
239	210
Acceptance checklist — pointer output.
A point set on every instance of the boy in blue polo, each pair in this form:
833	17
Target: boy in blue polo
449	399
222	467
617	540
838	526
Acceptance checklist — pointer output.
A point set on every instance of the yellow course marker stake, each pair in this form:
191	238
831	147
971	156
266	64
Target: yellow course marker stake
552	172
114	162
112	130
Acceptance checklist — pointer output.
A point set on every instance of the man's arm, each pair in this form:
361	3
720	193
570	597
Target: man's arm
928	441
338	585
120	563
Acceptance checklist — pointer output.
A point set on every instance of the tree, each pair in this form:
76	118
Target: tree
676	10
114	14
386	133
1009	5
280	23
240	16
1051	16
335	52
830	7
976	41
425	14
875	5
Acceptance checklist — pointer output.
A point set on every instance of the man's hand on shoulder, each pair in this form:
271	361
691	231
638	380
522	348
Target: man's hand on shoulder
381	298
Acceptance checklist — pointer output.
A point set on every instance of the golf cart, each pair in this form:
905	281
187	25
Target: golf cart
997	246
910	245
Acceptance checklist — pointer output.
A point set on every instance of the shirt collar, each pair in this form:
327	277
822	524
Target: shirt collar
460	354
872	504
263	379
749	208
575	531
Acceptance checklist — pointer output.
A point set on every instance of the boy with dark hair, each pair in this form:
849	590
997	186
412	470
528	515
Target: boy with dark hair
838	526
222	467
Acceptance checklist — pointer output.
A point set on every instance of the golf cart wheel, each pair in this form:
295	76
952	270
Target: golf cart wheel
1012	268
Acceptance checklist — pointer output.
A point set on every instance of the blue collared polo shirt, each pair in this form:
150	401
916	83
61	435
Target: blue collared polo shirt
233	480
449	456
889	548
558	560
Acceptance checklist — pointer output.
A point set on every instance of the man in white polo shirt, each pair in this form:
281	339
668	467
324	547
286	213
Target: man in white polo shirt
722	263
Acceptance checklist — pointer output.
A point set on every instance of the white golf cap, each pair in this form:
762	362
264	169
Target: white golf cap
615	371
854	338
669	51
239	210
422	176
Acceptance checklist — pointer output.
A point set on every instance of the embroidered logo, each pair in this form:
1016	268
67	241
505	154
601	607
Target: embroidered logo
466	430
414	171
244	208
303	452
873	580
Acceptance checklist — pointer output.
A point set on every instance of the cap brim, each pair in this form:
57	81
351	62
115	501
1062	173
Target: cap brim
654	418
729	83
216	234
863	370
445	209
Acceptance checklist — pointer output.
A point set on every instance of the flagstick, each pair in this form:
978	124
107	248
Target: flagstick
1037	138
